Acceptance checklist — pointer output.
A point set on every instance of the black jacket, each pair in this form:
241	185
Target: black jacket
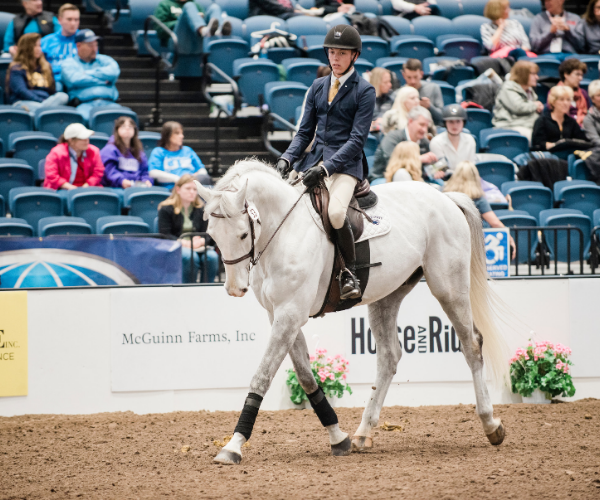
329	6
171	224
44	20
268	8
546	130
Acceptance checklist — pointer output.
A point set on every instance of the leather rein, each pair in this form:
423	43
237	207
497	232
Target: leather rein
252	217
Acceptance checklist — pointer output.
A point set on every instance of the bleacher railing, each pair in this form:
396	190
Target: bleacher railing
268	121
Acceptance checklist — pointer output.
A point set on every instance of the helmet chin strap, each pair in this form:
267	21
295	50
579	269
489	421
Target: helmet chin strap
357	53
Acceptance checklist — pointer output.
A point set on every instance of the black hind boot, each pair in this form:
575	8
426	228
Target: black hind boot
349	284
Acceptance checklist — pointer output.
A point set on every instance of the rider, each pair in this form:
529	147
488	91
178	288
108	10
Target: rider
340	108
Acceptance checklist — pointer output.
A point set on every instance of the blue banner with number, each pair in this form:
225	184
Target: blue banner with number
497	252
88	261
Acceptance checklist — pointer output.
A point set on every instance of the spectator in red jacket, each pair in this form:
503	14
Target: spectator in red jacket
74	162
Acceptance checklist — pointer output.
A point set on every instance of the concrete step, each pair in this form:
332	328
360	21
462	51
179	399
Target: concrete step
147	96
207	134
146	84
171	111
133	62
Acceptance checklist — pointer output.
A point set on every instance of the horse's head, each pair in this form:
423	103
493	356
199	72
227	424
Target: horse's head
235	226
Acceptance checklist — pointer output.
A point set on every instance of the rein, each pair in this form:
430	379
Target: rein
253	216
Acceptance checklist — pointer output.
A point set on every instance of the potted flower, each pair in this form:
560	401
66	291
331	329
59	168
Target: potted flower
541	371
330	374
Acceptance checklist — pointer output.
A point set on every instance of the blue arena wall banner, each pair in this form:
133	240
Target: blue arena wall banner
497	252
88	261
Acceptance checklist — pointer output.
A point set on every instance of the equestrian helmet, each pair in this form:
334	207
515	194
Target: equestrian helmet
454	112
343	36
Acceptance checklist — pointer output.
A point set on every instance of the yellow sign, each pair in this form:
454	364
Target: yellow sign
13	344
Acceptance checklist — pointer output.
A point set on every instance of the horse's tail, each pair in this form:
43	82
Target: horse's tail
483	298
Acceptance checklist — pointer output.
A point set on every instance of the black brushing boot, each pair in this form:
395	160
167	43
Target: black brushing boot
349	284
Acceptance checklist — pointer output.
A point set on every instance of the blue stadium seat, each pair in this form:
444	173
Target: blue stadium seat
448	92
478	120
14	175
462	47
13	160
386	7
149	140
103	119
283	98
141	44
548	66
252	75
306	25
532	6
393	64
121	224
508	186
99	139
487	132
558	186
525	22
92	204
222	52
474	7
307	4
371	145
497	172
31	146
401	25
469	25
2	207
432	26
532	199
430	69
313	47
41	170
234	8
34	203
511	219
55	120
368	6
143	202
450	8
374	48
580	197
49	226
259	23
5	19
592	66
509	145
13	120
362	65
571	218
155	226
15	227
279	54
237	26
300	69
578	170
412	47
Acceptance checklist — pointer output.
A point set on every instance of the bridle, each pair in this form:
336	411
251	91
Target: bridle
253	217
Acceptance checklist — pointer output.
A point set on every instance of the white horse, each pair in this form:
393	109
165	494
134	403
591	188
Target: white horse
436	235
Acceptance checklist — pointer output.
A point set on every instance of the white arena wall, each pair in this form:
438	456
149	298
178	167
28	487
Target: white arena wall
187	348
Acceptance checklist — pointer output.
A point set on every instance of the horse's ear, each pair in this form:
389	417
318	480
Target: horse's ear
240	196
205	194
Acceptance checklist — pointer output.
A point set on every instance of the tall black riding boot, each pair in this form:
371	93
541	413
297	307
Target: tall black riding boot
349	284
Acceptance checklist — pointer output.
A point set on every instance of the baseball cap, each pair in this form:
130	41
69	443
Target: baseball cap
86	36
77	131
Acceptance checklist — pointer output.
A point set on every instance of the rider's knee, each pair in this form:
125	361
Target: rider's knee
337	216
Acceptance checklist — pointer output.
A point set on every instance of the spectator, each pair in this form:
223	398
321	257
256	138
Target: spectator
181	213
405	163
171	159
587	30
454	145
333	6
503	36
591	127
517	106
90	78
381	79
409	9
30	84
74	162
571	73
551	127
429	92
396	118
283	9
206	24
466	180
419	119
552	31
34	20
123	156
61	45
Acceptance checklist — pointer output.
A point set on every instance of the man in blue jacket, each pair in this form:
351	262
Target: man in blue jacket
34	20
90	78
60	46
340	108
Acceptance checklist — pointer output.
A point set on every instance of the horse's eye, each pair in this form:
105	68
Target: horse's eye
244	236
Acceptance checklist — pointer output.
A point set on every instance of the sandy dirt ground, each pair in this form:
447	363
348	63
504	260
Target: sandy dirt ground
551	451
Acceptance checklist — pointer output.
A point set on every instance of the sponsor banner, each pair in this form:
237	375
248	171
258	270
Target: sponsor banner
13	344
497	252
184	338
89	261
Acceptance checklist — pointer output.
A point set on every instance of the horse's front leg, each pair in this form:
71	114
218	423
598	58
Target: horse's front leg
340	442
285	327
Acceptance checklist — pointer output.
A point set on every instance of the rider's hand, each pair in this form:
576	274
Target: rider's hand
283	167
313	176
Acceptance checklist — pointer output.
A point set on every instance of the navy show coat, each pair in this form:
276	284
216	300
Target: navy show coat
342	127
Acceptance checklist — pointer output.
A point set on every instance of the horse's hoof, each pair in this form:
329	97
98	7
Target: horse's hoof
497	436
227	457
342	449
361	443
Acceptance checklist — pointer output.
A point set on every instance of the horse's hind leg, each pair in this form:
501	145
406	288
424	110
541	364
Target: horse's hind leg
340	443
383	320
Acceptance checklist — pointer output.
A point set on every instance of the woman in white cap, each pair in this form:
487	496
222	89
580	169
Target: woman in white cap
74	162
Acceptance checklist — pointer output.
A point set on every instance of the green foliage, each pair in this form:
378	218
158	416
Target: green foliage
542	366
330	375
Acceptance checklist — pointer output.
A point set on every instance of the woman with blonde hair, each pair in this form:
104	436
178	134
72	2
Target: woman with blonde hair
551	127
181	213
381	79
502	35
29	81
397	117
405	163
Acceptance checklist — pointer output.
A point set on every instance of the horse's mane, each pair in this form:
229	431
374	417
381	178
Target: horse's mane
231	182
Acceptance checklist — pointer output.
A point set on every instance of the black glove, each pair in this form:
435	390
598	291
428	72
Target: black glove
312	177
283	167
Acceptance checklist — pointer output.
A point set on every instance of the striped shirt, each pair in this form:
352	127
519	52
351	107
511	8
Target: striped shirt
513	36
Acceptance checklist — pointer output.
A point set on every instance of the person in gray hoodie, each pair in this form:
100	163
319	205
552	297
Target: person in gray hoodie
517	106
591	127
552	31
587	31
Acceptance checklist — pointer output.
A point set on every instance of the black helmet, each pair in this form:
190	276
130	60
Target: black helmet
454	112
343	36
